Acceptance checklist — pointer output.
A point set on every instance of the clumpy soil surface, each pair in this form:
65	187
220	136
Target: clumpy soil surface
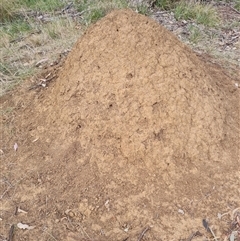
137	139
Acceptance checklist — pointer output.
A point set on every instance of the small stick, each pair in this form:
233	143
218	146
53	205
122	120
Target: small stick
213	234
143	232
235	10
16	210
11	232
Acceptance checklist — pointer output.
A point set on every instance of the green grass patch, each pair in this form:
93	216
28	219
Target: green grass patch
204	14
237	4
143	9
90	10
16	27
12	9
42	5
165	4
96	14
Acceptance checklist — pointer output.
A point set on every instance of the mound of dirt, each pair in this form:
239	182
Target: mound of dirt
136	132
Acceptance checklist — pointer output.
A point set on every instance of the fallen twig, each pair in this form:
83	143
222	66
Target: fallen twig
11	233
16	210
235	10
41	61
43	82
197	233
213	234
143	232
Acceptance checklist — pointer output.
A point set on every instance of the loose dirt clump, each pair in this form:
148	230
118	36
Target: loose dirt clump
137	139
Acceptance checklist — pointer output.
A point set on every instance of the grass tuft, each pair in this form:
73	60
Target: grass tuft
95	14
42	5
203	14
196	34
165	4
16	27
6	13
143	9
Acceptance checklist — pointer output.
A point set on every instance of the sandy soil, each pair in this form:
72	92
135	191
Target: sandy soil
137	139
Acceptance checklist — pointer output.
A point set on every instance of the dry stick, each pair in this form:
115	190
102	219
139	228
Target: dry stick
41	83
11	232
235	10
213	234
143	232
16	210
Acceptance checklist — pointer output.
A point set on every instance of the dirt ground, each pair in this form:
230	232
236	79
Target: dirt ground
136	139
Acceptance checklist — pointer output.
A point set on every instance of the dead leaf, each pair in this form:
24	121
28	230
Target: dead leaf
25	226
